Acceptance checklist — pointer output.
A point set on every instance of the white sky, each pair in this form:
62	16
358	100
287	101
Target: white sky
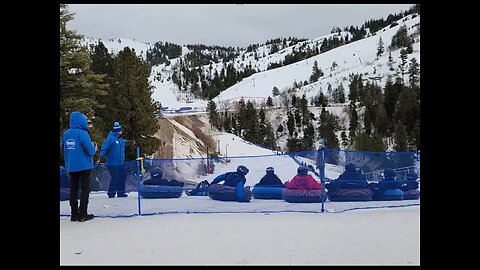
221	24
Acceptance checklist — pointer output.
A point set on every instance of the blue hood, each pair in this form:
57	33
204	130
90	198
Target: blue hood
78	121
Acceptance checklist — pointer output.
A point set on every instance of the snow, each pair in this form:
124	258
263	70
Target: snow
196	230
364	237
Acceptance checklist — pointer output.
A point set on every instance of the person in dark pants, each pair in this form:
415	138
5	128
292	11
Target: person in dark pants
113	149
78	151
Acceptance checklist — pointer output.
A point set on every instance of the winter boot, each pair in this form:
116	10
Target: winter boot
85	218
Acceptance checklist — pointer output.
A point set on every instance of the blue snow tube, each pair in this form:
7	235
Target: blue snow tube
388	195
156	192
304	196
226	193
350	194
413	194
267	192
64	194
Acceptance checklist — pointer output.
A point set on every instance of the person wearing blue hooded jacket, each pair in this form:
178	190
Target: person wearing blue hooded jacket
113	150
234	179
78	151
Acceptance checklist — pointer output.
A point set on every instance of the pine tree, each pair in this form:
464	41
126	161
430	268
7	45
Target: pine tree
251	125
80	87
344	138
380	48
280	129
414	72
290	123
402	66
269	102
408	108
381	123
227	123
316	72
341	93
353	121
213	116
400	137
327	127
131	103
275	91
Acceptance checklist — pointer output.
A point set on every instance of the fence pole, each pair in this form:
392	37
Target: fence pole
322	170
139	159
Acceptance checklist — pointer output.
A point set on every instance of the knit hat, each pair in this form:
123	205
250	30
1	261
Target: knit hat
269	170
302	171
117	127
242	169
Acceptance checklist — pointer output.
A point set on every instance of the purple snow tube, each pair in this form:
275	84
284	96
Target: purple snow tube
304	196
350	194
413	194
226	193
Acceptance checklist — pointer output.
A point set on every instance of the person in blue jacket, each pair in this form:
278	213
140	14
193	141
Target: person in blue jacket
78	151
270	178
113	150
234	179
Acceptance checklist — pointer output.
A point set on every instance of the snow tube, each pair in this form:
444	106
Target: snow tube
386	184
304	196
350	194
155	192
267	192
346	183
64	194
412	194
64	178
226	193
388	195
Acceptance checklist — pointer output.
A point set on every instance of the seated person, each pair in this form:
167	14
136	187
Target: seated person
388	175
351	173
412	175
270	178
303	181
156	179
234	179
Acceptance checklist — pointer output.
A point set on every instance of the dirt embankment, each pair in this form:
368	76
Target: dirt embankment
191	140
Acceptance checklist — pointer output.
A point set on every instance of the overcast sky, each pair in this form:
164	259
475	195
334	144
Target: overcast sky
223	25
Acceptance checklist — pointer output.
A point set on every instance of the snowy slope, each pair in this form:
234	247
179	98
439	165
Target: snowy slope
355	57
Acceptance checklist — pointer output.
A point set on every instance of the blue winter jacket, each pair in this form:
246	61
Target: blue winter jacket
270	179
77	146
113	149
233	179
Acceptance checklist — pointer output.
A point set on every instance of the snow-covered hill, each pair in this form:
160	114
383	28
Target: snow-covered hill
338	65
357	57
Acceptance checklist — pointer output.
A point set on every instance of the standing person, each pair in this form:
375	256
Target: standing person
113	149
234	179
303	181
78	151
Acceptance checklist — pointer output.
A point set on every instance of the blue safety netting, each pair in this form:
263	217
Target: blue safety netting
325	165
